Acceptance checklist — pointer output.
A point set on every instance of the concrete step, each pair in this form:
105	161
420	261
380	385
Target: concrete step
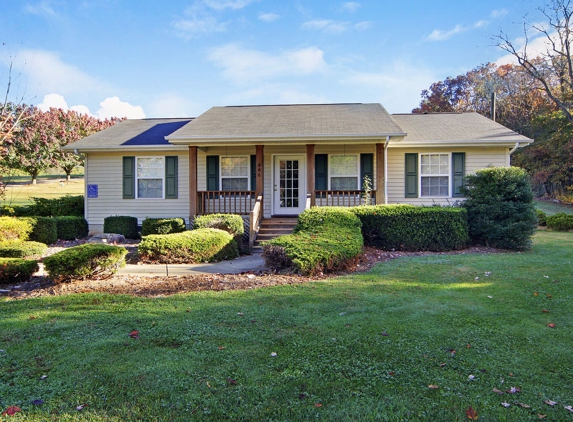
274	227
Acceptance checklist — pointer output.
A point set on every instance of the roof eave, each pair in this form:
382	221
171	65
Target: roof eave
466	143
127	148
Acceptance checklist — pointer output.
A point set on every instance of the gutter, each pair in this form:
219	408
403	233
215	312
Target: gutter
386	170
511	151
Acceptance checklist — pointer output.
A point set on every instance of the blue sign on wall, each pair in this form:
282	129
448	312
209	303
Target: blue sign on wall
92	191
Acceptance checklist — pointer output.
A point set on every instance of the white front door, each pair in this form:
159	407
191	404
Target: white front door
289	184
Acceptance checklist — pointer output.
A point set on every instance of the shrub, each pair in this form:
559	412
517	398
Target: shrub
124	225
201	245
12	228
324	239
16	270
560	222
413	228
84	262
500	207
70	227
57	207
19	249
44	229
315	217
541	217
162	226
312	252
231	223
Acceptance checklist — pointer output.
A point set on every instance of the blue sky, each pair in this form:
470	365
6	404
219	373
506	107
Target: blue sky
179	58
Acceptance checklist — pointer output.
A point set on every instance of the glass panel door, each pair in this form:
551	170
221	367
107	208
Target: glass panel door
289	192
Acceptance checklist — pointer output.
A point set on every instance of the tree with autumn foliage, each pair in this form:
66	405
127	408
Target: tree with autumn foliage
72	127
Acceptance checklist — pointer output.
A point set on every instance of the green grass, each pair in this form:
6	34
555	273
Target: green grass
47	187
334	361
551	208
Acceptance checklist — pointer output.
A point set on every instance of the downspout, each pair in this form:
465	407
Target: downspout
511	151
386	169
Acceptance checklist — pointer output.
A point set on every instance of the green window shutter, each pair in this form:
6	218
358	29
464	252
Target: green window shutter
128	177
458	173
171	173
253	172
411	176
366	168
212	172
321	171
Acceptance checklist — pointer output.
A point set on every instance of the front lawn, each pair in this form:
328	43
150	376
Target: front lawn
418	338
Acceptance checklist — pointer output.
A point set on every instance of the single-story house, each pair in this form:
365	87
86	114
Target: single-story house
277	160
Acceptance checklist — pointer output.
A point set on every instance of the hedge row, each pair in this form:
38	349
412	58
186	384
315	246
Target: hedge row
560	222
413	228
42	229
325	239
55	207
194	246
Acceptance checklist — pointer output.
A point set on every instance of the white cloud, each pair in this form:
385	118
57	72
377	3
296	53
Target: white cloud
114	107
53	101
268	17
81	109
363	26
497	13
46	73
173	105
439	35
326	25
197	22
245	66
351	6
42	8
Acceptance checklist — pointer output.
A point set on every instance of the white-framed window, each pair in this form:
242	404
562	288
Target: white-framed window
235	173
150	175
344	172
435	175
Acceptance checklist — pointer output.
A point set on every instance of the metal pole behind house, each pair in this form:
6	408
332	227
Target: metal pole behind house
493	99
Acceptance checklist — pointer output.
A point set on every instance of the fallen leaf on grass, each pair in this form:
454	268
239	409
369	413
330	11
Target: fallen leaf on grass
231	381
505	404
471	377
442	365
551	325
391	373
134	334
433	387
38	402
32	317
513	390
43	377
81	407
240	313
549	296
525	406
273	354
302	396
471	413
384	333
541	416
545	311
495	390
469	346
535	294
221	347
11	411
569	408
317	404
550	402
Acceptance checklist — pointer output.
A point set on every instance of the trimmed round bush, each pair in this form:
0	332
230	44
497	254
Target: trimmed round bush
231	223
17	270
500	207
312	218
413	228
84	262
194	246
121	224
71	228
162	226
541	217
560	222
18	249
12	228
44	229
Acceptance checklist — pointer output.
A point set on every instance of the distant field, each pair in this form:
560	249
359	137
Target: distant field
19	192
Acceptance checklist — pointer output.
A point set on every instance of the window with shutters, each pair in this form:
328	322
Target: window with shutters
150	174
434	175
235	173
344	172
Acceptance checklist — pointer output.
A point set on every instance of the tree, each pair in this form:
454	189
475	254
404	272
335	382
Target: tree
552	65
74	126
34	145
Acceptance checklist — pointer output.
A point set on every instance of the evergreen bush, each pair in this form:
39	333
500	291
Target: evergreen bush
413	228
162	226
44	229
17	270
84	262
120	224
541	217
560	222
500	207
19	249
231	223
57	207
12	228
71	228
194	246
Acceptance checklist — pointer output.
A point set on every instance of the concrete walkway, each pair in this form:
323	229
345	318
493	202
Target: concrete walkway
242	264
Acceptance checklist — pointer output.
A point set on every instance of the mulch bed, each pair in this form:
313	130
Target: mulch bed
157	286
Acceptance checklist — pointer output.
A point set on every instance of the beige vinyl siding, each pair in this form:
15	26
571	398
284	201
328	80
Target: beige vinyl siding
106	171
476	158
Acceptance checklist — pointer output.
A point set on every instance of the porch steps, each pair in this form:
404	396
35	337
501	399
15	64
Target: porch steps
274	227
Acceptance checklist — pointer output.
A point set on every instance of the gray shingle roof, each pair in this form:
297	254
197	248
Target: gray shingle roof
455	127
290	121
132	133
